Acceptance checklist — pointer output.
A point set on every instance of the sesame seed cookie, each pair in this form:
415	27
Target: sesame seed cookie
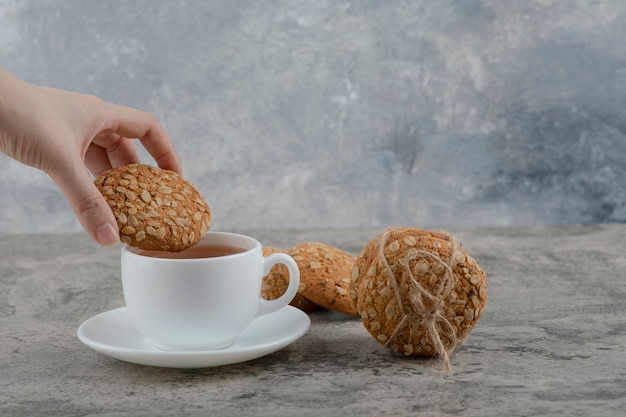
275	283
155	209
325	275
417	291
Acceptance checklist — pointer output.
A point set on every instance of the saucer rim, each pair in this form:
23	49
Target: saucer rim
202	358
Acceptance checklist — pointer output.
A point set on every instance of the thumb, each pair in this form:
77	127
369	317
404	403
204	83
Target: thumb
90	207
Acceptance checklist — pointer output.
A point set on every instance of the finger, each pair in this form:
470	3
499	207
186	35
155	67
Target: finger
118	150
133	123
92	211
96	159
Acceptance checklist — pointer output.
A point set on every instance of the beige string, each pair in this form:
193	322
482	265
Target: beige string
423	307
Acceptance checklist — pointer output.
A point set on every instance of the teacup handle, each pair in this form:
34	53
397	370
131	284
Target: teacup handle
269	306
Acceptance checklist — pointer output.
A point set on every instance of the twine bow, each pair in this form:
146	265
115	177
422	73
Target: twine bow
423	307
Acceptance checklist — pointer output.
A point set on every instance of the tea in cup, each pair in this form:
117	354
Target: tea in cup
201	298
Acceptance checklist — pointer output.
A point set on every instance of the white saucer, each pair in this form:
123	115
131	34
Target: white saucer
113	334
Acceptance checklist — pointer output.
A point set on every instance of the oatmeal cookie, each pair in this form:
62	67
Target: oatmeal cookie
155	209
325	275
275	283
417	291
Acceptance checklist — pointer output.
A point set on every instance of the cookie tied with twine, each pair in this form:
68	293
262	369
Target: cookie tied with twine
418	292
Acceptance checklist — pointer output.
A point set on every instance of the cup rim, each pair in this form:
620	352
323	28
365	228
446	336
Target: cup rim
131	251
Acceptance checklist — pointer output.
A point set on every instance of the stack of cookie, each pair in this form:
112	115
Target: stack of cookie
324	278
417	291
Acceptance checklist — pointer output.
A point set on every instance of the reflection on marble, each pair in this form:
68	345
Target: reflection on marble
551	342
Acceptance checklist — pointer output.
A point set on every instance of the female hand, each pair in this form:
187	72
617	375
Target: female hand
62	133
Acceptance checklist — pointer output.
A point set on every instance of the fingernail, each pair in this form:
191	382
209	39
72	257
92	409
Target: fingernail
107	235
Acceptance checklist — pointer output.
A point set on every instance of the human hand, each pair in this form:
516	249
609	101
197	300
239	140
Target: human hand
63	133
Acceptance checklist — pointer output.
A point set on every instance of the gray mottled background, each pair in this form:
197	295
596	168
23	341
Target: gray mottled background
347	113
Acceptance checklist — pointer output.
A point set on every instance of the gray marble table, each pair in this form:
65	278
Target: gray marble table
552	340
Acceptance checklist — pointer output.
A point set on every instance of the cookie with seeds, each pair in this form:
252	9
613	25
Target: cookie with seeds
275	283
155	208
325	275
417	291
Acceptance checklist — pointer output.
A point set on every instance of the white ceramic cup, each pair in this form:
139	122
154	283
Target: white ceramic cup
201	303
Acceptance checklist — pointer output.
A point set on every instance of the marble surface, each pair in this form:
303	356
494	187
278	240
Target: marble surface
551	342
453	113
